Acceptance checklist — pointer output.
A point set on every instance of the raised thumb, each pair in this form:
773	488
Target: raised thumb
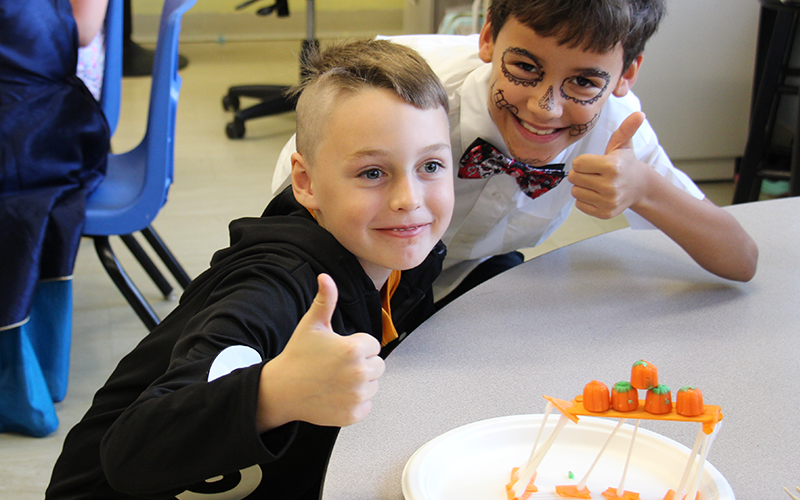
321	310
621	138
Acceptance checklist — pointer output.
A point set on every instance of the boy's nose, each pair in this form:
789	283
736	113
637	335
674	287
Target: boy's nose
544	101
405	194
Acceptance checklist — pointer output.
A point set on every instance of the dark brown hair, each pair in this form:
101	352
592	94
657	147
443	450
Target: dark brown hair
594	25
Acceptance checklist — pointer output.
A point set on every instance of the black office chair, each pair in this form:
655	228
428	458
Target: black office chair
273	97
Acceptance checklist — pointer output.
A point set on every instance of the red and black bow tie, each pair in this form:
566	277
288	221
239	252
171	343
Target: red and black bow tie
482	160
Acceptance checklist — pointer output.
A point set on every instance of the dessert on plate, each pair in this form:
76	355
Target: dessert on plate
623	402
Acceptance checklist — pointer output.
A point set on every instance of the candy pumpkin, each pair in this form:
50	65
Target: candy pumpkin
595	397
689	401
624	397
644	375
658	400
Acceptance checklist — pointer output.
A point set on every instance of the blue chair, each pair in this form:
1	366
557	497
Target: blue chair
111	93
137	182
110	100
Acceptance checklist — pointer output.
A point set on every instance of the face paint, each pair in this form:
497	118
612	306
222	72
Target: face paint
578	130
583	89
547	102
501	103
518	67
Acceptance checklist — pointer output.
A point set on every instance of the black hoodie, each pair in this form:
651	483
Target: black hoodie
158	428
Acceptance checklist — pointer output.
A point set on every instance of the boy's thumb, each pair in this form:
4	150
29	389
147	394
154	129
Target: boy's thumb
321	310
621	138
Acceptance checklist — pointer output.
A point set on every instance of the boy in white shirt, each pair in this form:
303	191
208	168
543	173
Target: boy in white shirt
548	82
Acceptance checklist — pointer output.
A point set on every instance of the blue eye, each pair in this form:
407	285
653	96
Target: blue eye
372	174
431	167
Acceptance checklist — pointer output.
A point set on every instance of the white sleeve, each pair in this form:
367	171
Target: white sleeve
281	177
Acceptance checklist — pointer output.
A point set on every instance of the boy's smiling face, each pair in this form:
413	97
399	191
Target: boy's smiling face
544	96
380	180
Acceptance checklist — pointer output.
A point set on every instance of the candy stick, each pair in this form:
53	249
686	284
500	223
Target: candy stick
526	475
690	463
597	458
621	487
547	410
709	439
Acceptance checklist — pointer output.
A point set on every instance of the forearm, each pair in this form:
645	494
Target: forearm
175	437
89	16
709	234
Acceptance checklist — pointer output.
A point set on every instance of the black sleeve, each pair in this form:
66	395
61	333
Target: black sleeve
183	429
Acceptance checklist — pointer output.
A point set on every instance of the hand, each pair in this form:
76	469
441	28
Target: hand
320	377
605	185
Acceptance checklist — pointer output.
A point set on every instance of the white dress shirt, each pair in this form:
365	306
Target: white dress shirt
493	216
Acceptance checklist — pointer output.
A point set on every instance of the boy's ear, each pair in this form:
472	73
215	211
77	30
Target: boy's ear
628	78
486	43
301	182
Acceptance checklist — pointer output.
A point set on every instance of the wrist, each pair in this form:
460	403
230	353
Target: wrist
651	188
271	409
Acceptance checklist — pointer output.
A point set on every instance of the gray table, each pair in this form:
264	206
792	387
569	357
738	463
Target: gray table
588	311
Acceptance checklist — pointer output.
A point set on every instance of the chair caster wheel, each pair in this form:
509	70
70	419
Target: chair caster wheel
230	102
235	130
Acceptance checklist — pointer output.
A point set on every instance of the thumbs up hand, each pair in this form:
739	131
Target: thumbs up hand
605	185
320	377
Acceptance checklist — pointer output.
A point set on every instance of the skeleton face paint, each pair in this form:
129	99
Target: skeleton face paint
519	67
544	95
579	130
501	102
585	88
547	102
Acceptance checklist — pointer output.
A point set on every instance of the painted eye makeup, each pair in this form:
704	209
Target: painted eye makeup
585	88
520	67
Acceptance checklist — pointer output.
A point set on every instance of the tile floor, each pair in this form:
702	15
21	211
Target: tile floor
216	180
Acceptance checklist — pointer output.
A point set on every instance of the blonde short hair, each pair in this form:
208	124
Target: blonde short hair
348	67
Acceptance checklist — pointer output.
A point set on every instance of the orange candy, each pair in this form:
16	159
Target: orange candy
689	401
644	375
595	397
658	400
624	397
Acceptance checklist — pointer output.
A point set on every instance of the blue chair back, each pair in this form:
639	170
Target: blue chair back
110	94
137	182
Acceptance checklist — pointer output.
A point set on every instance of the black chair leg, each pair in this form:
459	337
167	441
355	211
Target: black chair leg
148	265
123	282
166	255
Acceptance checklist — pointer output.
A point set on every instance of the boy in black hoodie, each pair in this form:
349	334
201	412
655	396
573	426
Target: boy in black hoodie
239	393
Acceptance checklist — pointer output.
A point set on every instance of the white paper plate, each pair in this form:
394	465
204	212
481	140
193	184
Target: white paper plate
474	461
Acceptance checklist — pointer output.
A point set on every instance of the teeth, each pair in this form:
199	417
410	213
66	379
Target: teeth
536	131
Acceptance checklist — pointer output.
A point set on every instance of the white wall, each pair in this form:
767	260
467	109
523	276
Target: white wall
696	82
